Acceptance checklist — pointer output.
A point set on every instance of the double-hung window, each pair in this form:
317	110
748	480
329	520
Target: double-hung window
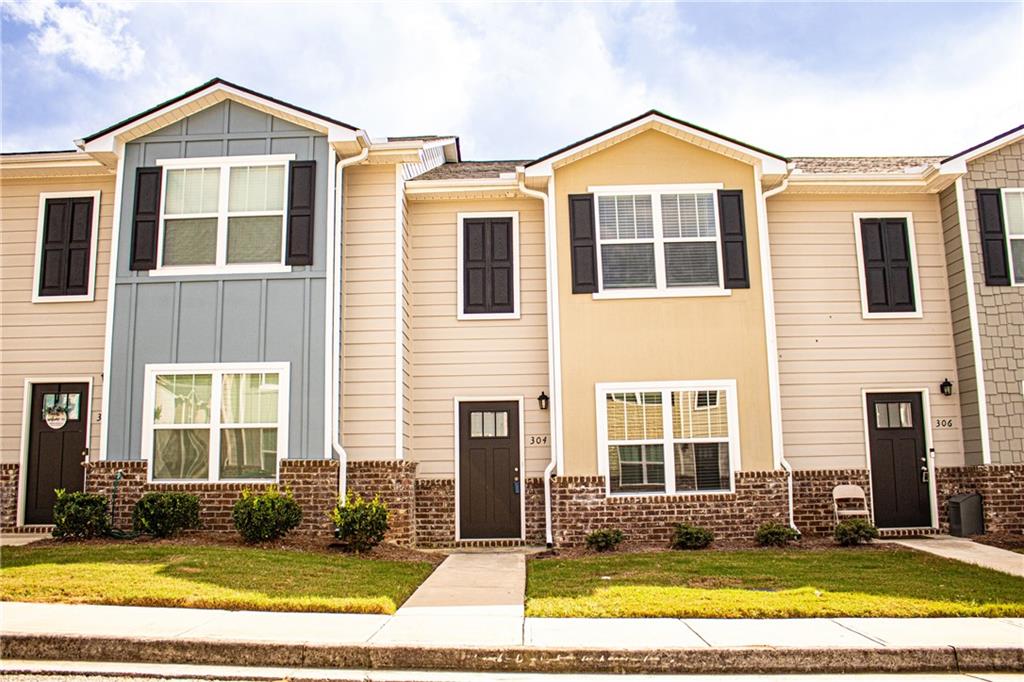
663	238
1013	208
668	437
215	422
224	213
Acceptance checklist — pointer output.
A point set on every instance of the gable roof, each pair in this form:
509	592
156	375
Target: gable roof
653	116
993	143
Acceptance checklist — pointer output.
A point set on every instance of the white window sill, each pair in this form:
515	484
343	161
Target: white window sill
892	316
488	316
253	269
694	292
206	481
80	298
678	493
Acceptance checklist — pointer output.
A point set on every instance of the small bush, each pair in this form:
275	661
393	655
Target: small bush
269	515
773	534
855	531
691	537
360	524
80	515
605	539
164	514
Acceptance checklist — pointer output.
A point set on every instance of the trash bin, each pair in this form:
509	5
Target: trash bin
965	515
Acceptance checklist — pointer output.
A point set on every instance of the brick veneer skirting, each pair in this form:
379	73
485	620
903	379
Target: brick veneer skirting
313	482
9	495
435	512
1002	494
579	506
812	497
394	481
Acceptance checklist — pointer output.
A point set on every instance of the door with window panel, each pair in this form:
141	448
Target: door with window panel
490	480
900	488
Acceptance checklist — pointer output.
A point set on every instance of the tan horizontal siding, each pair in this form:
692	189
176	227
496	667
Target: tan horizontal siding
828	352
368	313
47	341
465	358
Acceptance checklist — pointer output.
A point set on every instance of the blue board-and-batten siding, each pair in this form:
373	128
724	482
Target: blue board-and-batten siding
273	317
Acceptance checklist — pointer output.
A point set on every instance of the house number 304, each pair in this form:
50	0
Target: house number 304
538	440
943	423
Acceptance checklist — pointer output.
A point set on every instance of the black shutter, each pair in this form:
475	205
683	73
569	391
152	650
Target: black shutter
146	217
736	275
487	266
583	243
888	267
993	237
301	201
66	247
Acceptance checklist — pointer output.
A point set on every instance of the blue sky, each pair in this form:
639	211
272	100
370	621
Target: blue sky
518	80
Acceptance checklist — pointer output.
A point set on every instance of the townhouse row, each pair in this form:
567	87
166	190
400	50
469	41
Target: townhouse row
653	324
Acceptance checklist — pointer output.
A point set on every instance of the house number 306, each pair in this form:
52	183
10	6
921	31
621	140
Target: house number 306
538	440
943	423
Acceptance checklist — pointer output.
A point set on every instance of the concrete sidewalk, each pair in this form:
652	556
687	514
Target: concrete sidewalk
967	551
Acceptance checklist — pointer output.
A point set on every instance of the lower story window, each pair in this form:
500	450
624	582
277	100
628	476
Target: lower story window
668	438
216	422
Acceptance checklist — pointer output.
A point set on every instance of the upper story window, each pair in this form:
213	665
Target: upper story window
65	266
887	263
1013	201
661	240
228	213
668	437
488	257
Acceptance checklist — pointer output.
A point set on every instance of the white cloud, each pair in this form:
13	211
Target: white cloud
90	35
519	80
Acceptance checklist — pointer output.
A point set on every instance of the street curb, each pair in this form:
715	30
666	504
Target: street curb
753	660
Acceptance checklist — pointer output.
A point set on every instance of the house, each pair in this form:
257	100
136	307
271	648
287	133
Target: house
656	323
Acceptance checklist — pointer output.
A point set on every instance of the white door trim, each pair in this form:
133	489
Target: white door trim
518	399
26	430
929	448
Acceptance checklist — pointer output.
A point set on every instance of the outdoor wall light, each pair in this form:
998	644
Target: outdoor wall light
946	387
542	400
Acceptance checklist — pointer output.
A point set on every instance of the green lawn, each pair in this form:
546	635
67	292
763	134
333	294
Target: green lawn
790	583
207	577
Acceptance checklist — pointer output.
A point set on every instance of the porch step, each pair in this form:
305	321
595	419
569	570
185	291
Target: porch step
907	532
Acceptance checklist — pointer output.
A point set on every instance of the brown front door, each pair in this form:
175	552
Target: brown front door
490	486
57	442
899	460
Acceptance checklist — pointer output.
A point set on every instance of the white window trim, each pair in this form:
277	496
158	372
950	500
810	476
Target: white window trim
224	163
912	239
1010	238
460	274
660	290
668	437
217	370
37	271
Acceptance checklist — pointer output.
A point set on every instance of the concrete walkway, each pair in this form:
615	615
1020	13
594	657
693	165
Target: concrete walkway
474	628
19	539
964	549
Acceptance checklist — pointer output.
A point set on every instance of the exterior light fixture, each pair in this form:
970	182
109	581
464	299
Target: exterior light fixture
946	387
542	400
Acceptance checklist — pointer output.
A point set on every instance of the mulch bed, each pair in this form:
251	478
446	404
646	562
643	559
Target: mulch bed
306	542
1011	541
805	543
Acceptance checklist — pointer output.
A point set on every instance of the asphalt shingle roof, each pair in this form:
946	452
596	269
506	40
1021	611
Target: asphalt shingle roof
861	164
470	169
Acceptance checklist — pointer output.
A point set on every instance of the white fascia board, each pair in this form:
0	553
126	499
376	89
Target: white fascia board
958	164
335	133
769	164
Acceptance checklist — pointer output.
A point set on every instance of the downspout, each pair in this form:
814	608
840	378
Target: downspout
549	469
782	452
336	446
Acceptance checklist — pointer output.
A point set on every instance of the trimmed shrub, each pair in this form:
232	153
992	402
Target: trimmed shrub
164	514
360	524
691	537
604	540
774	534
269	515
855	531
80	515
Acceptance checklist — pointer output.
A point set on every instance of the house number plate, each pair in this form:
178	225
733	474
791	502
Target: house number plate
943	423
538	440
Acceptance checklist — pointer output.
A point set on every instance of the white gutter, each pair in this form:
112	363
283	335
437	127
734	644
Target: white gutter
552	357
972	312
772	339
108	331
334	262
399	317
